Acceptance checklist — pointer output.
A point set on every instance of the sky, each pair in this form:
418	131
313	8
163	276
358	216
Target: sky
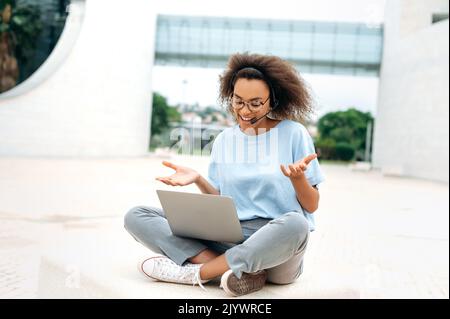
197	85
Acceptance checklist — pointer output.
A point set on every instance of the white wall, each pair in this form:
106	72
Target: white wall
98	101
412	125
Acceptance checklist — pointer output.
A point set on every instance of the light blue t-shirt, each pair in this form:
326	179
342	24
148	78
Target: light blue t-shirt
247	168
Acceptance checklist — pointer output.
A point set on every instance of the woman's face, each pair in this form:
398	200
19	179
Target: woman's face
251	91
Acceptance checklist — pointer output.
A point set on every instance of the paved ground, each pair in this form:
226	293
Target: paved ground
62	236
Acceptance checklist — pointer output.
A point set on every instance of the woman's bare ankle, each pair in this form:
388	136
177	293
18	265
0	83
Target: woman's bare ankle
203	257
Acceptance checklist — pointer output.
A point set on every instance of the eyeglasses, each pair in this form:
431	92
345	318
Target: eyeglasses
254	105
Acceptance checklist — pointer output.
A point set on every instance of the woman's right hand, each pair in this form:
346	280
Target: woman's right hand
183	175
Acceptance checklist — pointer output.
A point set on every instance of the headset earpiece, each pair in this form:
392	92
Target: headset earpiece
274	99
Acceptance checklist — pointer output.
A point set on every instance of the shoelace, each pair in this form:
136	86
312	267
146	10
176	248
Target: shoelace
197	279
171	271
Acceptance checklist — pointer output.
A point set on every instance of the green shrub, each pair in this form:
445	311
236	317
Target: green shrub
345	151
326	148
348	127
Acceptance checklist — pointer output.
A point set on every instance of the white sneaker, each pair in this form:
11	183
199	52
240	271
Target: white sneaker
163	268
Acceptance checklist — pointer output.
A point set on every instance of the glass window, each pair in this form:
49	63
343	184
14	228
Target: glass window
340	48
30	31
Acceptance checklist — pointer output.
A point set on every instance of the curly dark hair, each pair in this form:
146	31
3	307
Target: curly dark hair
291	91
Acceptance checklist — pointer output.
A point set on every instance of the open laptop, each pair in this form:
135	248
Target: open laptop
203	216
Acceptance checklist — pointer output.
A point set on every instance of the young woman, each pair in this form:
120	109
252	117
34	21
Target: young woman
267	164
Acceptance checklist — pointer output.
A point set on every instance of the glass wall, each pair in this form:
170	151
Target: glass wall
314	47
29	30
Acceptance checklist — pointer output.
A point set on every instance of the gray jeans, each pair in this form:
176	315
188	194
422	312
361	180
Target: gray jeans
276	245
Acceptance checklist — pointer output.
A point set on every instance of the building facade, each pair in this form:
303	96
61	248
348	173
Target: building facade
411	135
93	95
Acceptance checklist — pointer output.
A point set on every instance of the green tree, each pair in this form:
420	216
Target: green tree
345	127
162	114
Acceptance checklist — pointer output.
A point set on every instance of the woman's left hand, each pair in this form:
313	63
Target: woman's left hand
297	169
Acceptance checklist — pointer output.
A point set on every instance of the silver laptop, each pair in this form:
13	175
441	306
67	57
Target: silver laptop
203	216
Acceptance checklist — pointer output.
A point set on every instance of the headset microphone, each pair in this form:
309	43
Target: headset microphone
256	119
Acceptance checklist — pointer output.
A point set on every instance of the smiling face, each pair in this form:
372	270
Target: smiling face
252	90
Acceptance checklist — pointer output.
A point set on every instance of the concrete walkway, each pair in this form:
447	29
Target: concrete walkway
62	235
